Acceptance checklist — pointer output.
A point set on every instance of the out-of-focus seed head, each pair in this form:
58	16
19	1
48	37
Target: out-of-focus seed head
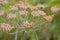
21	2
3	2
13	8
38	13
6	27
48	18
33	8
23	13
27	24
35	13
55	9
1	12
11	16
21	6
41	12
39	6
27	6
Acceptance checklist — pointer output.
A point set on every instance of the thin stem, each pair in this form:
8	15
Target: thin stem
16	35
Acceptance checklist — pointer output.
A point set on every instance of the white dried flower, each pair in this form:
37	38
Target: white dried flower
23	13
11	16
13	8
55	9
21	2
48	18
27	24
41	12
38	13
6	27
40	6
1	12
33	7
35	14
21	6
3	2
27	6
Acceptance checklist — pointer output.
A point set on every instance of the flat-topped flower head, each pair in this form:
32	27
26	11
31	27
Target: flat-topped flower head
40	6
33	8
1	12
27	6
35	13
55	9
48	18
6	27
13	8
3	2
21	6
27	24
11	16
21	2
41	12
38	13
23	12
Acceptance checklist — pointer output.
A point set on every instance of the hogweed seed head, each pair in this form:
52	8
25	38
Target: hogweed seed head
39	6
27	6
54	9
13	8
23	13
38	13
35	14
48	18
6	27
11	16
21	6
1	12
21	2
41	12
27	24
3	2
33	8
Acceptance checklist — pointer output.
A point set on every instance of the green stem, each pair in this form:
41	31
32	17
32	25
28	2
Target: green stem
33	35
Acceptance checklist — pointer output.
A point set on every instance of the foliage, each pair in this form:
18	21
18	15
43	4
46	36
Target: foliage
42	29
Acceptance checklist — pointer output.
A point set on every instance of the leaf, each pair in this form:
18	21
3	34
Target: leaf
54	3
52	28
57	18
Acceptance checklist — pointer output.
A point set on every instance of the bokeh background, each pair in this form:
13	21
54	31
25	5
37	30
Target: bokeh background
29	19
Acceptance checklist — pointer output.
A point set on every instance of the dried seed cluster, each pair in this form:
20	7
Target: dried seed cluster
55	9
23	9
1	12
11	16
6	27
23	12
27	24
38	13
3	2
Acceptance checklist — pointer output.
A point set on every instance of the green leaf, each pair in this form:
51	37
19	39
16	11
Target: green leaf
54	3
57	18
